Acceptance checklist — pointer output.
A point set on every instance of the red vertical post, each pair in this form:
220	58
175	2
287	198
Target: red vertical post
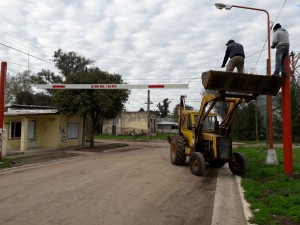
2	91
287	122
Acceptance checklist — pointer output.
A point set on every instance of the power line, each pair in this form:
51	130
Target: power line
16	36
270	31
26	53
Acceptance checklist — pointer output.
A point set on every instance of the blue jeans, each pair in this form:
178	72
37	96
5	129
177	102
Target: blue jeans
281	53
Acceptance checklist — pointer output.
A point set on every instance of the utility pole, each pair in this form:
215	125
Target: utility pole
2	97
256	122
294	66
148	115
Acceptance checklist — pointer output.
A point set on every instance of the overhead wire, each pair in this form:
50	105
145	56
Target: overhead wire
26	53
270	31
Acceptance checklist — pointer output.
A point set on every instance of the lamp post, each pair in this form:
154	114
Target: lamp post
228	7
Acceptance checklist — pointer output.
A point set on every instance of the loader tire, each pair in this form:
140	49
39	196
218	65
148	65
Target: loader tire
197	164
239	164
177	150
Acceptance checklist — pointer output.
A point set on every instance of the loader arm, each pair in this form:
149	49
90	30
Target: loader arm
213	98
180	109
233	104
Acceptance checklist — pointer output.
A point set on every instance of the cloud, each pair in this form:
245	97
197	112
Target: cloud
147	41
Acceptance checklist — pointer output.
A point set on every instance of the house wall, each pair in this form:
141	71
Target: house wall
11	143
107	126
62	128
47	131
135	123
166	128
50	131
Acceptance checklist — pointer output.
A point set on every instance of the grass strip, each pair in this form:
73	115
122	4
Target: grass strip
274	197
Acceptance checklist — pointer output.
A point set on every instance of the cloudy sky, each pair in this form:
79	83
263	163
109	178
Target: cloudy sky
146	41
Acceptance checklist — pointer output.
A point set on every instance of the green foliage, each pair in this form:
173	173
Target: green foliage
19	88
137	137
19	91
96	105
163	109
244	125
295	112
5	163
9	95
273	196
70	63
175	111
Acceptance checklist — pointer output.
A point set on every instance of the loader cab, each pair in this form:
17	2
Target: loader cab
187	121
190	119
210	123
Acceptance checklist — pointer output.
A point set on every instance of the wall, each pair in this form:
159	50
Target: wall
48	133
62	128
51	131
107	126
135	123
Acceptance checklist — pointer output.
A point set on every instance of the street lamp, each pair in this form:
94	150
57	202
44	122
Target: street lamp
223	6
228	7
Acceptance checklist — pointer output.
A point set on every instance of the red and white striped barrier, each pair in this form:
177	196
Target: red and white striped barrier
112	86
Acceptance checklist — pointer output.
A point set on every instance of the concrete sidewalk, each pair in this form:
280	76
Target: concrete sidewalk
230	206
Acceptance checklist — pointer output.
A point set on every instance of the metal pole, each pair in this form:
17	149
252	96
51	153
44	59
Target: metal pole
256	122
148	115
268	70
2	95
287	122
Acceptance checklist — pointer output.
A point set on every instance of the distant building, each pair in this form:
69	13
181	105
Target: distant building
167	125
130	123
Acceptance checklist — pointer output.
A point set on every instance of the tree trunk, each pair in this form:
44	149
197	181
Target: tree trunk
83	130
92	138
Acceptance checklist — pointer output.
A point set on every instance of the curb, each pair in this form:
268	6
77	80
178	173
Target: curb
246	206
230	207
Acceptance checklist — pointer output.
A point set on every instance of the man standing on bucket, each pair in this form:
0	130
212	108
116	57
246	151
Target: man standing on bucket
235	52
282	44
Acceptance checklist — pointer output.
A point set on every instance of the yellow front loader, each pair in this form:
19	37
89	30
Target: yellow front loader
204	139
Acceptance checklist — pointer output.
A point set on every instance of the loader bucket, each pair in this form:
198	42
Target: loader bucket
242	83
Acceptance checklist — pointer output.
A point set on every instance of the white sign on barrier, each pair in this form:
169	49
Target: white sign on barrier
113	86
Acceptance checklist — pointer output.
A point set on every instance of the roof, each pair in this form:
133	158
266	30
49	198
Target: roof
31	112
167	123
18	106
16	110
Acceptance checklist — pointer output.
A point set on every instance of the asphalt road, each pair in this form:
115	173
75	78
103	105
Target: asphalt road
131	186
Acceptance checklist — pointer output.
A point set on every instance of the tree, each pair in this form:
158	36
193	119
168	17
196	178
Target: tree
70	63
46	77
244	126
295	112
163	109
19	90
96	105
141	110
9	95
175	110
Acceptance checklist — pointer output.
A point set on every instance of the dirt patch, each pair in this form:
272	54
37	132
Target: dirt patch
102	147
285	221
41	157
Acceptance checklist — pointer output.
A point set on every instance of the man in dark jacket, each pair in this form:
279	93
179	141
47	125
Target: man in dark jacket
235	52
282	44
